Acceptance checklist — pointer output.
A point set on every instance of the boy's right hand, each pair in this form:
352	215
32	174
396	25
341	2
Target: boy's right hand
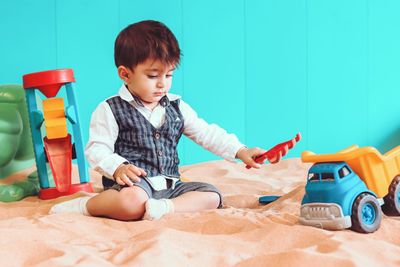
126	171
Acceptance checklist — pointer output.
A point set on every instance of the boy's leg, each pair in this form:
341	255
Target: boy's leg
196	201
186	197
195	196
127	204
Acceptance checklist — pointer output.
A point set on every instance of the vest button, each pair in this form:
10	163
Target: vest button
160	153
157	135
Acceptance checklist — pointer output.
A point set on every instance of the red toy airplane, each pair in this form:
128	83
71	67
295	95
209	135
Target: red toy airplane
275	154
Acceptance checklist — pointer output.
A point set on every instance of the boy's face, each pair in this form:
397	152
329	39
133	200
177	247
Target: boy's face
150	80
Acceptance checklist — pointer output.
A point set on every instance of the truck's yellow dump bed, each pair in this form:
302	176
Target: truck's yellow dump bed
375	169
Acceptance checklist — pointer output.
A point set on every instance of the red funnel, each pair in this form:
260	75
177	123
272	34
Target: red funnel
48	82
59	153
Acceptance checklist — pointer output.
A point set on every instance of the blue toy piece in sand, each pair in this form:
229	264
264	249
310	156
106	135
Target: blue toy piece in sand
267	199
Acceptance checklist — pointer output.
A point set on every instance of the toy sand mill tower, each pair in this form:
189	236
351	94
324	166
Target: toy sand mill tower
57	147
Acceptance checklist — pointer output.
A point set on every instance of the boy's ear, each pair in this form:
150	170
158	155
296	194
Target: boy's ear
123	73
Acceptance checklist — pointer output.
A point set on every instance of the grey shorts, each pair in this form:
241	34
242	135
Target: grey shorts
180	188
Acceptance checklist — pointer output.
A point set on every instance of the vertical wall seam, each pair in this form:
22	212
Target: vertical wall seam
182	46
119	14
367	73
56	33
183	70
245	71
307	75
116	32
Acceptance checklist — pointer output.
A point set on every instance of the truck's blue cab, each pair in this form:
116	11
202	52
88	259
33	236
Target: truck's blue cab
331	191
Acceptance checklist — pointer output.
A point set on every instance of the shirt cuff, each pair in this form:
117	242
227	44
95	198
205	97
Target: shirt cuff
108	165
230	154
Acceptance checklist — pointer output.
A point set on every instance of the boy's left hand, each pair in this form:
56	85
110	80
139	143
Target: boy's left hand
247	155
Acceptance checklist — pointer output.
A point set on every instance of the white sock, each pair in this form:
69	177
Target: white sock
156	208
76	205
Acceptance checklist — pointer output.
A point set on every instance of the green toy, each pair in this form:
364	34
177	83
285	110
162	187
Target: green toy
16	149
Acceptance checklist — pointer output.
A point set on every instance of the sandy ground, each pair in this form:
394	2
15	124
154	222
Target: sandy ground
243	233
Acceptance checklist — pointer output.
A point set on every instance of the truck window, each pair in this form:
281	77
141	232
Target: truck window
313	177
343	172
327	176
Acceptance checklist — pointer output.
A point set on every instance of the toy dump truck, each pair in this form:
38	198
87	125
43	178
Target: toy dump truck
350	189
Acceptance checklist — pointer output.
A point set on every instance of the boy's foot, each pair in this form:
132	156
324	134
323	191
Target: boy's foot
156	208
76	205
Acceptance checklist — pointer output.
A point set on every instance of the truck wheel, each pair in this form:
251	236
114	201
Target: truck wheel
366	214
392	199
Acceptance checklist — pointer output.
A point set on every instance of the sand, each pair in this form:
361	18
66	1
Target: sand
243	233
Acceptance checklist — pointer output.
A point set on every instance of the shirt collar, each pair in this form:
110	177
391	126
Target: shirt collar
127	96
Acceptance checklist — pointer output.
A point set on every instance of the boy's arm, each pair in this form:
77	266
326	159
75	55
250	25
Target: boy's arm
210	136
103	133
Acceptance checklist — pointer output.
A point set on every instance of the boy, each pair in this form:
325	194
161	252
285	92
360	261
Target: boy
134	135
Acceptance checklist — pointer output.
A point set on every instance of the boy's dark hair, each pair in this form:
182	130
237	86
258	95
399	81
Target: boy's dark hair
144	40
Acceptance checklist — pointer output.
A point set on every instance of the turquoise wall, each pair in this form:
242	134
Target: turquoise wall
262	69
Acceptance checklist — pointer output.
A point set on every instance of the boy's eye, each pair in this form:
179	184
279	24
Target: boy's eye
154	76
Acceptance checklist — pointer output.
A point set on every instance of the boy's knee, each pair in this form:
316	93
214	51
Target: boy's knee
131	203
214	200
214	197
217	200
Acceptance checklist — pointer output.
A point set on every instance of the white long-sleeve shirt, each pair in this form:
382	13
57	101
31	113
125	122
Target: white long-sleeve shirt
103	133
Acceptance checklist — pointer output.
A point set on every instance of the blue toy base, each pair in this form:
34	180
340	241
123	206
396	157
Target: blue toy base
267	199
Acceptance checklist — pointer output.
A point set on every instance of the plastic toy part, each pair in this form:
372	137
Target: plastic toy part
275	154
50	193
392	199
57	145
268	199
367	214
20	189
59	153
348	188
375	169
48	82
54	118
17	178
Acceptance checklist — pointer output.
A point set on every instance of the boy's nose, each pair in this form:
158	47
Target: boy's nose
160	84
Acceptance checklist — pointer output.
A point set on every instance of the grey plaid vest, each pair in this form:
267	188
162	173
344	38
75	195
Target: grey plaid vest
154	150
